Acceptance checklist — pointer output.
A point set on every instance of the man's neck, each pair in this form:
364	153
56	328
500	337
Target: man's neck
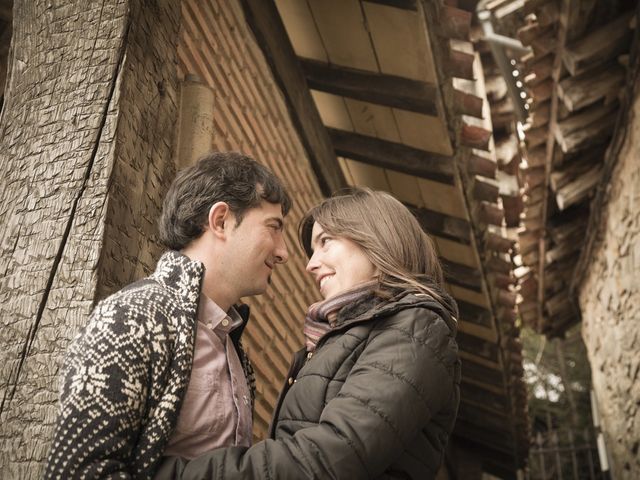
216	290
213	284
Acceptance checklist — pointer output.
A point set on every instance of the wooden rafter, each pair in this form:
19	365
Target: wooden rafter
632	83
442	225
566	8
392	155
387	90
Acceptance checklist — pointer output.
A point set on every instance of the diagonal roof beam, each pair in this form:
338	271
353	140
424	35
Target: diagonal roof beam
266	24
392	155
387	90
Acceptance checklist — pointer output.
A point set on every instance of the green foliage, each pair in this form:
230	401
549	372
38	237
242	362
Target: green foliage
547	387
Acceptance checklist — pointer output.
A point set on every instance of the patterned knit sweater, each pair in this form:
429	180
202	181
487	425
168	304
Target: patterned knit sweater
125	375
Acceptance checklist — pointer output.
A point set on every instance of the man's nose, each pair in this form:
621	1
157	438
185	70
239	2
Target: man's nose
281	253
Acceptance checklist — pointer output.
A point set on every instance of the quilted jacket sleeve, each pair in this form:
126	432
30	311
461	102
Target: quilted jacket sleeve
102	397
403	377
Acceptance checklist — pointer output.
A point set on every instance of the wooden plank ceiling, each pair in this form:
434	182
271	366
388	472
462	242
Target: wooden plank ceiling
405	108
575	77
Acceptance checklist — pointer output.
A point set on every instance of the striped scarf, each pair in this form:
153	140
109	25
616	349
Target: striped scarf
321	316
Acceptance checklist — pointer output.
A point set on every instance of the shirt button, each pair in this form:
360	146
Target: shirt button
225	322
290	380
310	354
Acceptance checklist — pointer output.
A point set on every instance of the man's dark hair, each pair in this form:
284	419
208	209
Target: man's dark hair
229	177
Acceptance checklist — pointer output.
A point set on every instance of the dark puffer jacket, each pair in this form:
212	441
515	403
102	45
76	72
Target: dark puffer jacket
378	399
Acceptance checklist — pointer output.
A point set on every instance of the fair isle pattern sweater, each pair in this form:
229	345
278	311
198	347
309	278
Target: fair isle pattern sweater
125	375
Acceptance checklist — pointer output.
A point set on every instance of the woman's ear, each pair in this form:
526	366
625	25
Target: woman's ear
219	215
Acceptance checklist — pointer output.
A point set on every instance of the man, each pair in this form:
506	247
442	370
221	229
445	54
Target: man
159	368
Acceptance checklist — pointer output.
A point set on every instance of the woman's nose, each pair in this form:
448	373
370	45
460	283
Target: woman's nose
312	264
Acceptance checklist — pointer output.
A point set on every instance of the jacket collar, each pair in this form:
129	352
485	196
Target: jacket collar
183	276
372	307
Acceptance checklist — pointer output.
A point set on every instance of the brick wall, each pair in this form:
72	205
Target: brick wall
250	115
610	304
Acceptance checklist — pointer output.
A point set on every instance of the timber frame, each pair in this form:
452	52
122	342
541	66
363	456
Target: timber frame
420	127
579	77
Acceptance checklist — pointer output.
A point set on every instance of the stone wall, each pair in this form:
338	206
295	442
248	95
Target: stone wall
610	305
250	115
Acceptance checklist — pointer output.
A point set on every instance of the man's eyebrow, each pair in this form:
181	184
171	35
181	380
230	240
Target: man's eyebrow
278	220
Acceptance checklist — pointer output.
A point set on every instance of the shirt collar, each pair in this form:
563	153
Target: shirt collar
216	318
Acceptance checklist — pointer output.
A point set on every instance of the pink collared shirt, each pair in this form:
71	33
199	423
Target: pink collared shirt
216	411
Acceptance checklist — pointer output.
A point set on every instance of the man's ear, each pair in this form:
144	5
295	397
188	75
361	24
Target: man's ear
219	216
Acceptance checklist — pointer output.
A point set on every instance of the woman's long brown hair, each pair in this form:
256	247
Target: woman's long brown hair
387	232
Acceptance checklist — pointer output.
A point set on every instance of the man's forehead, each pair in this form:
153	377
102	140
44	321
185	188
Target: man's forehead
267	211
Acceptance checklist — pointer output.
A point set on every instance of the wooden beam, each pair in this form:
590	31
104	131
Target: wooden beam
540	116
541	92
480	374
483	188
467	104
454	22
583	90
266	24
388	90
622	133
500	263
462	275
489	213
495	241
478	346
478	165
442	225
402	4
530	32
579	189
541	70
603	44
475	137
544	44
488	399
589	127
568	173
474	314
392	155
490	420
460	64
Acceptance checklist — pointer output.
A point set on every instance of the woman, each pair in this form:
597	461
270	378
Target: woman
375	392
